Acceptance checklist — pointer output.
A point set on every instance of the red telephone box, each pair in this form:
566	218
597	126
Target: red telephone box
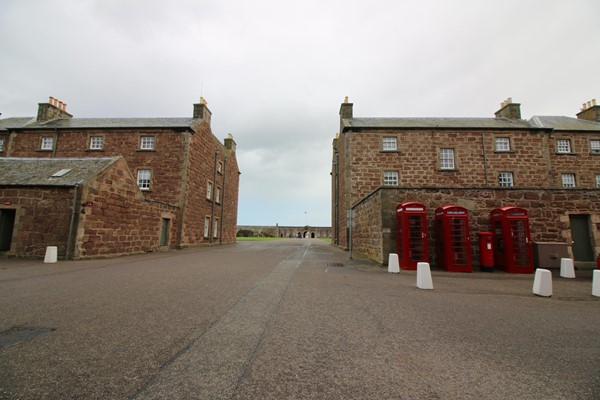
453	244
411	234
512	240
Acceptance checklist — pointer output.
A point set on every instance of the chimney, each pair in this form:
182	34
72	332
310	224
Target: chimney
53	109
346	109
229	142
509	110
201	111
590	111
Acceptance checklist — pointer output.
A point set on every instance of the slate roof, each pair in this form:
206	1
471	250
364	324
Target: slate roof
437	123
564	123
39	171
91	123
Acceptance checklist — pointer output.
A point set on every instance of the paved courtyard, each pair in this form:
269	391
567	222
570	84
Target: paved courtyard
289	319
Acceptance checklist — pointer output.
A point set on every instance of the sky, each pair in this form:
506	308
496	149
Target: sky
274	72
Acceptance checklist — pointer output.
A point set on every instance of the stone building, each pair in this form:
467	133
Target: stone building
184	192
549	165
310	232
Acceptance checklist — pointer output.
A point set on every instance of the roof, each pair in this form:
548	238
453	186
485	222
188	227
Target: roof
91	123
39	171
564	123
437	123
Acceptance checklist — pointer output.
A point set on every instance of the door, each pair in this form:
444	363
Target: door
417	239
164	232
7	223
581	239
520	243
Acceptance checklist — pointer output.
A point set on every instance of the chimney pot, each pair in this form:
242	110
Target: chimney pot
346	99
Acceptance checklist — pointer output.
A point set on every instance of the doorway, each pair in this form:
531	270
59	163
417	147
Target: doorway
7	224
581	238
164	232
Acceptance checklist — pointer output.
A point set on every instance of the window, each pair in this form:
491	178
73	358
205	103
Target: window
47	143
206	226
216	228
568	180
220	167
390	144
505	179
502	144
147	143
563	145
598	181
209	189
96	143
595	146
1	145
218	195
446	158
143	179
390	178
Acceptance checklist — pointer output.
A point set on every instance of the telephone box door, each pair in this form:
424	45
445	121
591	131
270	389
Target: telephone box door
411	234
453	239
512	242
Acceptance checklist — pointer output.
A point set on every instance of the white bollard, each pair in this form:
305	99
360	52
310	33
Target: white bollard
567	270
393	263
51	254
542	283
596	283
424	276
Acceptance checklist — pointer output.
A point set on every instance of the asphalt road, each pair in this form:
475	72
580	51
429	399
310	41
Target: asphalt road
289	319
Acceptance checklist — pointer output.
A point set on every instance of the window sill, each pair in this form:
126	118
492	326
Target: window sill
44	150
94	150
566	154
504	151
147	150
390	151
448	169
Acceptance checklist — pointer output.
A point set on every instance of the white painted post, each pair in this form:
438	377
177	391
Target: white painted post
596	283
393	263
424	280
567	270
51	254
542	283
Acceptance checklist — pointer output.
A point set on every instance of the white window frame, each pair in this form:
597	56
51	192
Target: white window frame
206	226
147	142
568	181
502	144
598	181
96	142
595	146
209	190
220	167
506	179
144	179
390	178
47	143
216	228
1	145
563	146
389	143
218	195
447	159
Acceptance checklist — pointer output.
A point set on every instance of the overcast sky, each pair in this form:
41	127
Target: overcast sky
274	72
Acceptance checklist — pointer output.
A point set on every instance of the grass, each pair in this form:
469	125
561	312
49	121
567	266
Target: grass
250	239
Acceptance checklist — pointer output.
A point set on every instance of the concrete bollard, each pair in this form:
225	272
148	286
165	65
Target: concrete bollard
393	263
567	270
542	283
424	276
596	283
51	254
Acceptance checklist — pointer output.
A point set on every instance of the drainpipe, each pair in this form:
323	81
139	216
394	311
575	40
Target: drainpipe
223	200
55	144
72	225
212	208
485	171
